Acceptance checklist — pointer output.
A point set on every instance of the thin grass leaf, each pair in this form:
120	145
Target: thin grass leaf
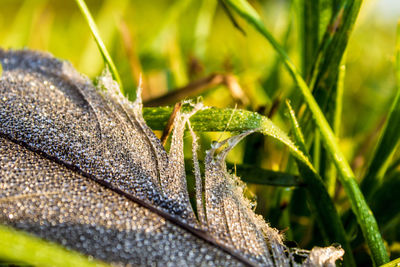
103	50
231	17
328	219
389	139
333	45
310	33
19	247
393	263
337	119
106	18
360	208
324	72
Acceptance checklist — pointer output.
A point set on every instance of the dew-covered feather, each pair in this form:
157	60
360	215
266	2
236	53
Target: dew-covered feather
79	166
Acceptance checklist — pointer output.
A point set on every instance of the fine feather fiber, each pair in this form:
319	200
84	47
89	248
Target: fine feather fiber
80	167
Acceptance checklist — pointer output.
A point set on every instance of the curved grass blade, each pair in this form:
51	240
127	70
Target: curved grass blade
19	247
360	208
103	50
329	221
389	138
214	120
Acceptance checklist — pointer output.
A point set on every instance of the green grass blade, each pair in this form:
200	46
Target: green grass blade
103	50
328	218
19	247
214	120
337	121
359	206
337	117
90	63
332	48
389	138
393	263
325	68
310	33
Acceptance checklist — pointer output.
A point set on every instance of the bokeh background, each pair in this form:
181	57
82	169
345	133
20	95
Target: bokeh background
177	42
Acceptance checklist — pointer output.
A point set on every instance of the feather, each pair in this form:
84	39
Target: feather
80	167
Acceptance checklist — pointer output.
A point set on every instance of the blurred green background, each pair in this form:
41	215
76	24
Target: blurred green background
174	43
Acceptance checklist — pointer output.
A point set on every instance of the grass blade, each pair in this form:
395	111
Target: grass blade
103	50
214	120
332	48
18	247
109	13
310	33
360	208
389	138
393	263
329	220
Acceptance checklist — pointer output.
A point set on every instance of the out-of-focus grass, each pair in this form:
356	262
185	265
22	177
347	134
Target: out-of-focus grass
178	42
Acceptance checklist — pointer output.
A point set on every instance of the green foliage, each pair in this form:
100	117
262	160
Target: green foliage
360	208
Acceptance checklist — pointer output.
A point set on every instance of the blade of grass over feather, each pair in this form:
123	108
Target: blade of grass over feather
18	247
388	140
320	201
103	50
214	120
359	206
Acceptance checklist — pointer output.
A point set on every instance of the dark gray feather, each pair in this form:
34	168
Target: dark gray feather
80	167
